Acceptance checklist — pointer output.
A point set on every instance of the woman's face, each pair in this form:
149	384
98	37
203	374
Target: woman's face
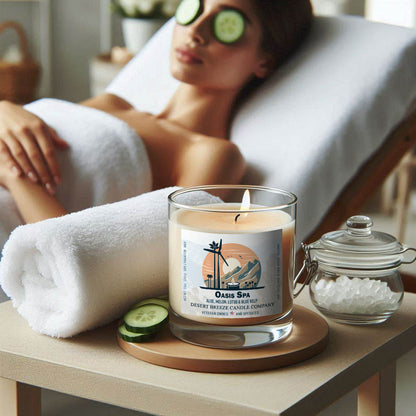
214	64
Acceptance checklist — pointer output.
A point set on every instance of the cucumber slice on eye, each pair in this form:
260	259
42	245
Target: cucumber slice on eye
146	319
132	336
157	301
228	26
187	11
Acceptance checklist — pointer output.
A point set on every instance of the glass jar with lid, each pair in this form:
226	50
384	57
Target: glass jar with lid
353	273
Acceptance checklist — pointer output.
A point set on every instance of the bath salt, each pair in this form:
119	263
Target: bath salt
356	295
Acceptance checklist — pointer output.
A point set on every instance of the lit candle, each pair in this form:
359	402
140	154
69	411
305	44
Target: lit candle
229	268
233	285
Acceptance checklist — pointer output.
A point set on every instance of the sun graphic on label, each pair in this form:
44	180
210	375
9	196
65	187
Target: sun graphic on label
230	266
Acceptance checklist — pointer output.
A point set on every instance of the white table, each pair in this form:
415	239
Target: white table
93	366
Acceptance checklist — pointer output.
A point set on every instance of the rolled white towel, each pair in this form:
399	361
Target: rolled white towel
69	274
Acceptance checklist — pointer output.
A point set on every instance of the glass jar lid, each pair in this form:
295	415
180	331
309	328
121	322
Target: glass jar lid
358	247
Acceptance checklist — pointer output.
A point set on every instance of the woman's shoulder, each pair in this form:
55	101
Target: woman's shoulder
215	150
226	145
215	142
210	160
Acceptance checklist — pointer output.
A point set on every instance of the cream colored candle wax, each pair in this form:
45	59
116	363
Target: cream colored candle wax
230	268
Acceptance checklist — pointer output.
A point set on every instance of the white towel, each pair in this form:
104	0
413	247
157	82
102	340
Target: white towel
69	274
106	162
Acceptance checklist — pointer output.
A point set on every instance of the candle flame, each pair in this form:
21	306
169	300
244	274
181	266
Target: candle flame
245	203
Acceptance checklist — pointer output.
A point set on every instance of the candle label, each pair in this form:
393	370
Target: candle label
231	275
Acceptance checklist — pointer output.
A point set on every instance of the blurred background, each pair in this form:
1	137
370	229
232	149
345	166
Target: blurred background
67	37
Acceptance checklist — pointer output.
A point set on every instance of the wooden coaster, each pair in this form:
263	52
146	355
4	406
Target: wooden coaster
309	337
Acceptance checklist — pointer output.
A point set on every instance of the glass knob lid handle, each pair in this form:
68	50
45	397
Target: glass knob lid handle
359	225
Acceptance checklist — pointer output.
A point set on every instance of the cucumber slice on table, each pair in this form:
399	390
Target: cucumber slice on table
132	336
228	26
156	301
146	319
163	297
187	11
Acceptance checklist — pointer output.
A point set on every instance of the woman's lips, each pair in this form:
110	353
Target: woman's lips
187	57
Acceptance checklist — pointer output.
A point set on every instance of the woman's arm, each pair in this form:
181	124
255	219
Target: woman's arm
32	200
211	162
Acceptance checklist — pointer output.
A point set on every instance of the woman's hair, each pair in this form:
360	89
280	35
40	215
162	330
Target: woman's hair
286	24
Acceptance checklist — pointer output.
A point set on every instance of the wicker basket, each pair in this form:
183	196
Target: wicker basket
18	80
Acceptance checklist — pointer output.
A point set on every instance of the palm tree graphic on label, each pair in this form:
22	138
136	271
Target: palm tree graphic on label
216	249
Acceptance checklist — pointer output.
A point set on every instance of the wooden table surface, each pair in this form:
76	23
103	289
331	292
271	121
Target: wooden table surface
93	366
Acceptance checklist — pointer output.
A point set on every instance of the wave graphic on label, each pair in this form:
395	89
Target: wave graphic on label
231	267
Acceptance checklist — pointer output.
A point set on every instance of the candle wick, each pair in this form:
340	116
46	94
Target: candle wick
235	219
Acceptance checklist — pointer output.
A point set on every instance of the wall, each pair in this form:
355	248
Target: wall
75	26
397	12
75	39
334	7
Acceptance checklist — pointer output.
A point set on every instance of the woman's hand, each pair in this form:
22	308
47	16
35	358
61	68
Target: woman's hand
27	144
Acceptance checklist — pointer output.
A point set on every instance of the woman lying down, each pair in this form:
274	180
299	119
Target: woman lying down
221	51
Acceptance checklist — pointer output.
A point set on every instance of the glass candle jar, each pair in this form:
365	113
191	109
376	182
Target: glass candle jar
355	278
231	266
